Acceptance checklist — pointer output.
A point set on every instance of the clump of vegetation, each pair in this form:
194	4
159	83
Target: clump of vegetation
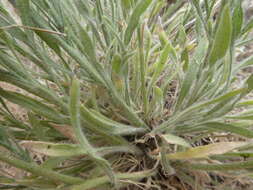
125	94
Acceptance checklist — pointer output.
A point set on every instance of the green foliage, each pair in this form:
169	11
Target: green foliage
222	38
123	92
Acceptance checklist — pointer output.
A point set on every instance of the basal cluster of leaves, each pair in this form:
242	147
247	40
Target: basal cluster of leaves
122	93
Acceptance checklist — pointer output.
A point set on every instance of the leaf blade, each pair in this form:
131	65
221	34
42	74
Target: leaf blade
222	37
206	150
134	19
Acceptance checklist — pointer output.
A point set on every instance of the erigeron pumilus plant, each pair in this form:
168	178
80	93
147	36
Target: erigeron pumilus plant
125	93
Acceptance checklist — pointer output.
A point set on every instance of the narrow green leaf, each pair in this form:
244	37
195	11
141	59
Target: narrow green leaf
230	128
185	59
87	44
220	167
239	154
126	4
250	83
245	103
241	117
222	36
158	95
116	64
68	150
54	149
237	19
181	36
134	19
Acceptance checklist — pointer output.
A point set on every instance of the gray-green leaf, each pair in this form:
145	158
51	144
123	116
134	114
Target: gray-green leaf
222	37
